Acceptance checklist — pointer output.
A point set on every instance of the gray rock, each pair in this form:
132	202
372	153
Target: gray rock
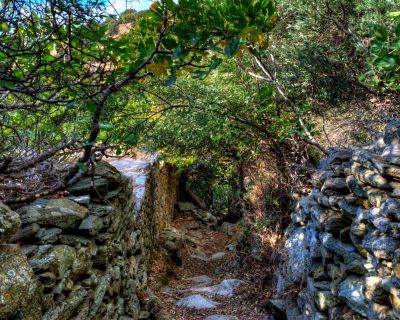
336	246
64	218
390	209
351	291
227	228
392	132
338	184
65	309
25	233
91	225
381	246
18	284
224	289
133	307
68	204
325	300
46	236
196	302
298	255
85	185
83	200
99	293
9	223
218	256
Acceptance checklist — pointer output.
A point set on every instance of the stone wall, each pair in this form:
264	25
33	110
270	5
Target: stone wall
343	248
86	256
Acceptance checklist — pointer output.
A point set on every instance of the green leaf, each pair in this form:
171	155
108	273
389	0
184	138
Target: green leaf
394	15
200	74
118	151
169	43
82	167
91	106
106	126
4	27
132	139
386	62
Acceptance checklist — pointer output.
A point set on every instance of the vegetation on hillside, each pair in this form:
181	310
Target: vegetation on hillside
224	89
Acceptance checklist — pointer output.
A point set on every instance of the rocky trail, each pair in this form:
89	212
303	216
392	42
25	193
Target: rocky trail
193	276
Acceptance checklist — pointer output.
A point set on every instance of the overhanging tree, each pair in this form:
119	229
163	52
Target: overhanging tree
59	68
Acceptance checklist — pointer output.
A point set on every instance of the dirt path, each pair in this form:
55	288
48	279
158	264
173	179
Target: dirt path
205	266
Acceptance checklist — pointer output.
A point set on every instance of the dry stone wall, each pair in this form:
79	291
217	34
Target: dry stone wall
86	256
343	247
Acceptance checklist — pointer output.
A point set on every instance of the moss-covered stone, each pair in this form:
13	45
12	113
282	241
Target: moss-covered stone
18	284
9	223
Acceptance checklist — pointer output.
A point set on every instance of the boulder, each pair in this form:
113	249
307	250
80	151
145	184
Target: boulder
197	301
351	291
18	284
392	132
298	255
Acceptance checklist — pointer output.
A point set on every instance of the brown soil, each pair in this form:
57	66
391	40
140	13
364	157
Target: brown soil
168	282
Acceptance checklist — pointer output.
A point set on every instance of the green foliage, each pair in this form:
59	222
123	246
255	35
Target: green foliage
384	55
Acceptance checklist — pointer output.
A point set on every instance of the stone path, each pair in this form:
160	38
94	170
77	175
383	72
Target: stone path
203	287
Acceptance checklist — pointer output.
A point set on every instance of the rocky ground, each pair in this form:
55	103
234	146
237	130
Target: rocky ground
193	276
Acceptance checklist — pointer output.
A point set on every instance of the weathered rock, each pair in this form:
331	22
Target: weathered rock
381	246
224	289
351	291
63	218
25	233
63	310
392	132
100	185
196	302
336	246
9	223
18	284
68	204
91	225
325	300
298	257
48	235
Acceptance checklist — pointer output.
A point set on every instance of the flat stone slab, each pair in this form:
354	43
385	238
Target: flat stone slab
218	256
224	289
196	301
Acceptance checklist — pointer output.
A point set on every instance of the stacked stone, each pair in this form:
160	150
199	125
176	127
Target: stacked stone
344	241
84	256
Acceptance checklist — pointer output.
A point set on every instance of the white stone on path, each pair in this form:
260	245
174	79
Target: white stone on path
224	289
221	317
196	301
218	256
